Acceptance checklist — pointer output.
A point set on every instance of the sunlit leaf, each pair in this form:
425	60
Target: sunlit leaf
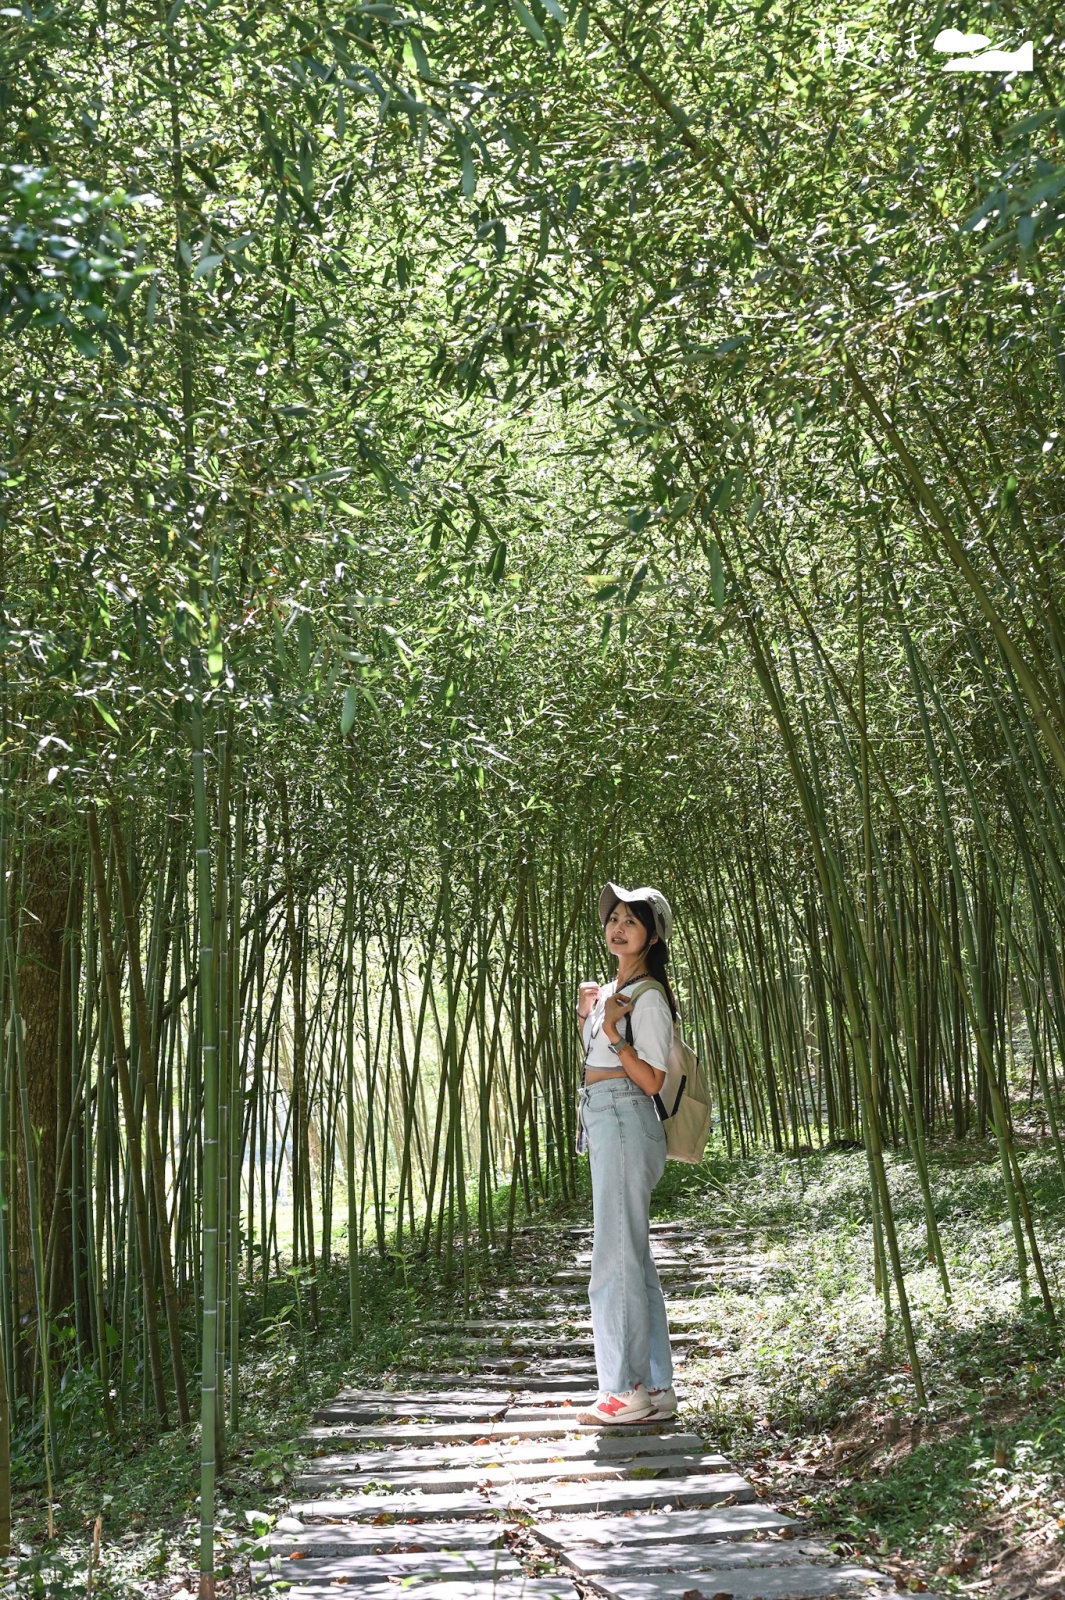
528	21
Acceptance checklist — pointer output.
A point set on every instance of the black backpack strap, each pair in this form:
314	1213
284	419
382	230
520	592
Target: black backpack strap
663	1114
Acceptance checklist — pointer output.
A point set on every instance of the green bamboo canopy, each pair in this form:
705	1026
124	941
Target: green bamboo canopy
455	457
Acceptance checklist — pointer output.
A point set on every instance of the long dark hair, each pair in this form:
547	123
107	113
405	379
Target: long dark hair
655	956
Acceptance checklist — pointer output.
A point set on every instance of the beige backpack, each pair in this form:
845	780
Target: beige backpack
683	1102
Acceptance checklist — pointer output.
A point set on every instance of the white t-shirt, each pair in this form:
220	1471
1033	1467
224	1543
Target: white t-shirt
652	1030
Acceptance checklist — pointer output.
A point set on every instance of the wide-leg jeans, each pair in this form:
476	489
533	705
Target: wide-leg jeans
627	1152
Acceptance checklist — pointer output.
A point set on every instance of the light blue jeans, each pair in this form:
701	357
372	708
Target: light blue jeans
627	1151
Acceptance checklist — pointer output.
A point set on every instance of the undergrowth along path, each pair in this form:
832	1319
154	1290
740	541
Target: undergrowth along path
475	1481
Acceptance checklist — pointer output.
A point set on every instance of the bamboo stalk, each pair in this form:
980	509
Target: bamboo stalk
209	1248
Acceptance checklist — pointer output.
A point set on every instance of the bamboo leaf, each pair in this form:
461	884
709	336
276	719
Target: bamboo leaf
469	175
105	716
305	641
528	21
496	564
717	574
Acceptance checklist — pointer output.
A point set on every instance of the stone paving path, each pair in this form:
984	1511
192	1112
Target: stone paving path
479	1484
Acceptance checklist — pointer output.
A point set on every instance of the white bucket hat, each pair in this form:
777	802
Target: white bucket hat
613	892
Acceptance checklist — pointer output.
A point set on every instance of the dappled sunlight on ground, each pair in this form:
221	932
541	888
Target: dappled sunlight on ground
801	1383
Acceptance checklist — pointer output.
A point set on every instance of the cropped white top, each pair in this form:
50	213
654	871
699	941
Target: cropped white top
652	1030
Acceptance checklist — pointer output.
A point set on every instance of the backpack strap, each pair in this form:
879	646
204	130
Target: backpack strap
648	983
651	983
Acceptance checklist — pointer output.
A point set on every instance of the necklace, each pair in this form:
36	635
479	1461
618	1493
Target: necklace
633	979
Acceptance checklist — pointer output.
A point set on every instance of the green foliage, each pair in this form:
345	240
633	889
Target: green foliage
802	1382
62	257
525	442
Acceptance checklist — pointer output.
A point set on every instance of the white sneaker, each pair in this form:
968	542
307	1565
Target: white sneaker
664	1401
635	1406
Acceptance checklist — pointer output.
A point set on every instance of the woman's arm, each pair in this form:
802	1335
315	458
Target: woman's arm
646	1077
649	1079
587	996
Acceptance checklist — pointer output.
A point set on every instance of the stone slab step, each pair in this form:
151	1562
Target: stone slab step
330	1473
683	1312
462	1395
577	1277
553	1413
456	1405
549	1376
663	1229
354	1413
663	1527
527	1411
765	1583
561	1344
542	1375
721	1235
707	1489
515	1364
526	1389
458	1433
553	1409
537	1399
359	1539
409	1508
467	1389
532	1372
574	1294
573	1337
520	1294
613	1447
394	1567
522	1588
504	1300
664	1255
674	1269
687	1313
611	1498
640	1559
712	1233
573	1346
493	1325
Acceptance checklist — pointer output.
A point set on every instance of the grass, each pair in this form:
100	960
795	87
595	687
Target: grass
796	1379
804	1387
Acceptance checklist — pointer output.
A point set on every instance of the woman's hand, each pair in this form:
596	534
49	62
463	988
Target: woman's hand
618	1006
587	998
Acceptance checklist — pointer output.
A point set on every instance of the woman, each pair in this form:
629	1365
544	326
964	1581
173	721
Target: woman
627	1045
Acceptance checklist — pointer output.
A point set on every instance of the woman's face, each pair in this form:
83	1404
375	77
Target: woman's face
625	934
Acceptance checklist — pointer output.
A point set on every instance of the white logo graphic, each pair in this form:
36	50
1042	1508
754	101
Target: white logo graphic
950	42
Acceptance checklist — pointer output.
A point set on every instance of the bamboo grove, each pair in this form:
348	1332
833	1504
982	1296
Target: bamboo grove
454	456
